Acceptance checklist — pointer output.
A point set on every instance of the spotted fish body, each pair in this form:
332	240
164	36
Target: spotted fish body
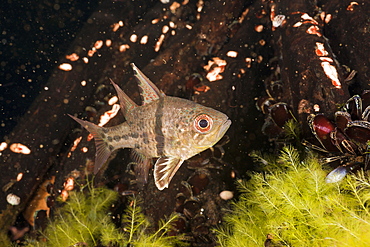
168	128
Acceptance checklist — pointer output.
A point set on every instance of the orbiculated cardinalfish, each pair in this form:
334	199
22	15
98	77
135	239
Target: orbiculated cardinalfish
168	128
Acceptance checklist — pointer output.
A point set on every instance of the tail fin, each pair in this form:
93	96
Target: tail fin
102	148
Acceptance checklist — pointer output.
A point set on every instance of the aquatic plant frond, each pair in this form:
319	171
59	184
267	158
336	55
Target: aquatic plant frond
292	129
84	219
289	156
133	219
294	206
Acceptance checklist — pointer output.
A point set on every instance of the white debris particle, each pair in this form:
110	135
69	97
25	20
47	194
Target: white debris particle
165	29
13	199
327	18
159	43
19	176
248	60
331	73
258	28
98	44
3	146
108	115
155	21
19	148
232	54
83	83
65	67
320	49
226	195
108	42
174	6
172	24
278	21
144	40
72	57
124	47
316	107
133	38
113	100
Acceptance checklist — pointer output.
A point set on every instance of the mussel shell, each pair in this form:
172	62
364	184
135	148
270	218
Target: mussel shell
342	119
199	181
198	219
342	142
321	127
336	175
365	96
358	131
366	114
192	207
263	103
179	226
270	129
354	107
280	113
340	172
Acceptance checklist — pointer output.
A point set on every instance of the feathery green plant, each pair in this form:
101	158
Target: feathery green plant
84	221
295	207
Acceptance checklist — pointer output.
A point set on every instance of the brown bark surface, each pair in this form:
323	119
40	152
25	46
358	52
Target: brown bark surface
171	43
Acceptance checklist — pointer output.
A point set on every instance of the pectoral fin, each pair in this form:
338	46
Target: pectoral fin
142	167
164	169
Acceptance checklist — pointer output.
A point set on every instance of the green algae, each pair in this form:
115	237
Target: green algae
291	205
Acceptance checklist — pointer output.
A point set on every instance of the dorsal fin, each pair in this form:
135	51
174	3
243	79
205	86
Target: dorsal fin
125	102
148	90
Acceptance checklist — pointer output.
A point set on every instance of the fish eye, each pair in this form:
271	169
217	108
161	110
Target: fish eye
203	123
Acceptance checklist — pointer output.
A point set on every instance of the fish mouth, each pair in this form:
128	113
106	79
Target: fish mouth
224	127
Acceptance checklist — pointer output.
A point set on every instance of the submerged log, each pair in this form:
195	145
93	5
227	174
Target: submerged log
217	53
45	126
347	28
312	80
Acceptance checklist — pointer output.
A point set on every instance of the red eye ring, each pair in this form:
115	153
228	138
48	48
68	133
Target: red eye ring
203	123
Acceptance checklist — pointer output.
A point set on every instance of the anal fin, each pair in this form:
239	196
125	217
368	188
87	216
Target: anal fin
164	170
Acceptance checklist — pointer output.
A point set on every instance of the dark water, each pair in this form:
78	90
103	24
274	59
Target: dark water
34	35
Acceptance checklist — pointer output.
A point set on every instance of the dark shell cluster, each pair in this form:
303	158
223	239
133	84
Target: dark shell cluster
198	200
347	138
277	114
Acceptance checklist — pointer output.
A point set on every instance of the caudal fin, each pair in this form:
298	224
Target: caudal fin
102	148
